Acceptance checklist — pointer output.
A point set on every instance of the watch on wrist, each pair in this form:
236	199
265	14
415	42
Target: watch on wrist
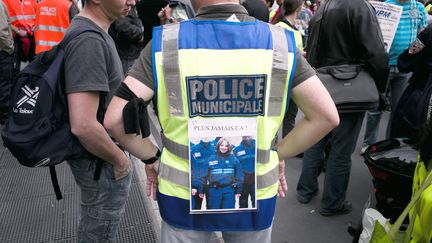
152	159
172	20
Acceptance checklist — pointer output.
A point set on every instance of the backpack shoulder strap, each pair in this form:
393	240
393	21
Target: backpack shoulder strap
75	33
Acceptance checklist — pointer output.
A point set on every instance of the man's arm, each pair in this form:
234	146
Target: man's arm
371	45
113	122
136	145
320	117
5	39
83	108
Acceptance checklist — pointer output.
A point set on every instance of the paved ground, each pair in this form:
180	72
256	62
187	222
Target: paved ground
295	222
29	211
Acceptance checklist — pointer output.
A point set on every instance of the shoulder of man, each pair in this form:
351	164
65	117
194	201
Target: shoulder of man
86	40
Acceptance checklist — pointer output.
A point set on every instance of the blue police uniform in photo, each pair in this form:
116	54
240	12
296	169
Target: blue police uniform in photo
245	153
225	179
200	155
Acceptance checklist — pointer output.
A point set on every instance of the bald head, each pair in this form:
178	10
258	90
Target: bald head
197	4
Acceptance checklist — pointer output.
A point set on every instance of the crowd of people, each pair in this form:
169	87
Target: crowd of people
206	45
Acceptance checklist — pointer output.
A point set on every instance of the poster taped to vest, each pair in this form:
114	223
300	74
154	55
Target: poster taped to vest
222	159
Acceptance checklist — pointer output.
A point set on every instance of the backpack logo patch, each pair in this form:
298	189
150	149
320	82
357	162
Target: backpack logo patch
30	97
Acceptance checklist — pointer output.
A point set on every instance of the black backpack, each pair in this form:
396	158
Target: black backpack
37	131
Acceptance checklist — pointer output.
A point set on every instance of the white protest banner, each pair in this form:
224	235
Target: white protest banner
388	16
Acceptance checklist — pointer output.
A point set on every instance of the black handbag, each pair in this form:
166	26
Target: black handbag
351	87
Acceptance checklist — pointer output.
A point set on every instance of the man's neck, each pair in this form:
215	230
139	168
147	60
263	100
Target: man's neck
218	2
291	19
97	16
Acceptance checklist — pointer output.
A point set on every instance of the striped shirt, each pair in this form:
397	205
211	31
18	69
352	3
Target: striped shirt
413	18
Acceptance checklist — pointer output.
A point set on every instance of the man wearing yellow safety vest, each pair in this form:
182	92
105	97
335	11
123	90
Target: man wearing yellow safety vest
52	21
209	69
22	14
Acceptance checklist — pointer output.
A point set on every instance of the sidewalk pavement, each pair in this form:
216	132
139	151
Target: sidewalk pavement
29	211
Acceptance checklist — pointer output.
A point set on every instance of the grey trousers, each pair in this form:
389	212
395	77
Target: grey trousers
170	234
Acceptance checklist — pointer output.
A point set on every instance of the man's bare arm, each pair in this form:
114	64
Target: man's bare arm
83	108
135	144
320	118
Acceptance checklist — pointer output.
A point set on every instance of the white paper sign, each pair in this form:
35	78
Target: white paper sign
222	156
388	16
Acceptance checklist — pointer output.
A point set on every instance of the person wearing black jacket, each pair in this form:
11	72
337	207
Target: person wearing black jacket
257	8
147	11
347	33
412	110
128	35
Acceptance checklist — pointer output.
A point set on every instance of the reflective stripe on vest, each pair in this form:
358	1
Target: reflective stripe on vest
226	66
171	68
21	17
52	23
182	151
181	178
22	14
279	70
172	73
46	43
297	34
170	65
50	28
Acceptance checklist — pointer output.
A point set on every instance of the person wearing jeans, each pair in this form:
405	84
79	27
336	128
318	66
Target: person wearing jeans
338	164
397	83
96	222
341	32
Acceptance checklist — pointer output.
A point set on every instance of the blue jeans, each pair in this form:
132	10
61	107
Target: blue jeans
338	165
102	201
397	82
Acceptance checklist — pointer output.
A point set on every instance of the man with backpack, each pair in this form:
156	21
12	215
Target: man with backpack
92	72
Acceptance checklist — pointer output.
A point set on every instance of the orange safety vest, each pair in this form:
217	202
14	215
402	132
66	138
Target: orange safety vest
52	21
22	13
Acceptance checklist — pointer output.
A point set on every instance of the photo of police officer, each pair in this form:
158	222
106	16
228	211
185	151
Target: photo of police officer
200	155
245	153
222	173
224	177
